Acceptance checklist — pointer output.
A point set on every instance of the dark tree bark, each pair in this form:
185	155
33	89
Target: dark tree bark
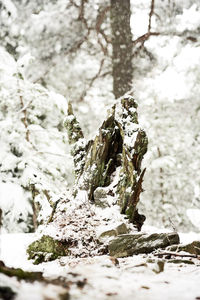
122	46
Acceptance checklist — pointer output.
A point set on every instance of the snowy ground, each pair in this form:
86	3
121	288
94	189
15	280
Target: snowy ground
102	277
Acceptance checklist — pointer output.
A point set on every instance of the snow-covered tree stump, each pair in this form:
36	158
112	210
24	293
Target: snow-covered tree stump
118	148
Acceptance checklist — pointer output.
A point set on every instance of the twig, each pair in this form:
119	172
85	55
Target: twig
151	14
143	38
53	211
82	14
99	30
101	17
93	79
169	253
25	107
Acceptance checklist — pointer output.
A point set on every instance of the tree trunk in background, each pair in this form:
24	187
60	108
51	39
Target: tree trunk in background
122	46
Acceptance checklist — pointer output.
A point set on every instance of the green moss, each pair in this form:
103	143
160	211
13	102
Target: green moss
45	249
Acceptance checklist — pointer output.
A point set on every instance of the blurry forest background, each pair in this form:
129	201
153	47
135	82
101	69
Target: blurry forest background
53	51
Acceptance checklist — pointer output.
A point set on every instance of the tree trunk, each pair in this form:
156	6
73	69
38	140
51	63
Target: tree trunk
122	47
119	143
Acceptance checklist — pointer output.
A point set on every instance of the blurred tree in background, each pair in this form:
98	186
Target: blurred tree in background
122	69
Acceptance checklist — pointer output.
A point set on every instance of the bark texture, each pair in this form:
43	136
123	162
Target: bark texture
120	144
122	46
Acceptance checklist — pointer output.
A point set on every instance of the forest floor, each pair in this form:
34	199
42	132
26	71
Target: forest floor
137	277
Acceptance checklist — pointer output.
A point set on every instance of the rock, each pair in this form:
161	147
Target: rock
100	197
122	229
129	244
159	266
45	249
192	248
100	193
107	234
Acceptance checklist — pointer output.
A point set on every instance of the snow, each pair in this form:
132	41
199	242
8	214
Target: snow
13	201
194	216
133	276
189	20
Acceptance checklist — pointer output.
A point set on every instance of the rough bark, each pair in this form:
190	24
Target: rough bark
120	143
122	46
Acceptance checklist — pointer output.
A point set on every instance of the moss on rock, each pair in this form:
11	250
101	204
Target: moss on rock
45	249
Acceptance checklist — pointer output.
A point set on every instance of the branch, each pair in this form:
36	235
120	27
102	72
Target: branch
169	253
99	30
82	14
93	80
143	38
101	17
151	14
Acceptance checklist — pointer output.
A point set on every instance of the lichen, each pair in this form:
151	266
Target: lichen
46	249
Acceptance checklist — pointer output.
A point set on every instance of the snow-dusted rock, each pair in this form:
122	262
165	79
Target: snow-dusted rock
193	248
45	249
129	244
100	197
107	234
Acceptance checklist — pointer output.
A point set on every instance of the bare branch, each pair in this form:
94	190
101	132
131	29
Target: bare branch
169	253
100	18
93	80
151	14
143	38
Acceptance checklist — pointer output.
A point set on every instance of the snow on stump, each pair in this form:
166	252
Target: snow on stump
129	244
120	145
108	177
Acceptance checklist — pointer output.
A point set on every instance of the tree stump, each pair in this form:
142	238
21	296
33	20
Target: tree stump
120	143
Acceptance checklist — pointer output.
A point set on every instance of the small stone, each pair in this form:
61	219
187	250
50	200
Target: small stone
122	229
100	197
159	266
100	193
106	234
